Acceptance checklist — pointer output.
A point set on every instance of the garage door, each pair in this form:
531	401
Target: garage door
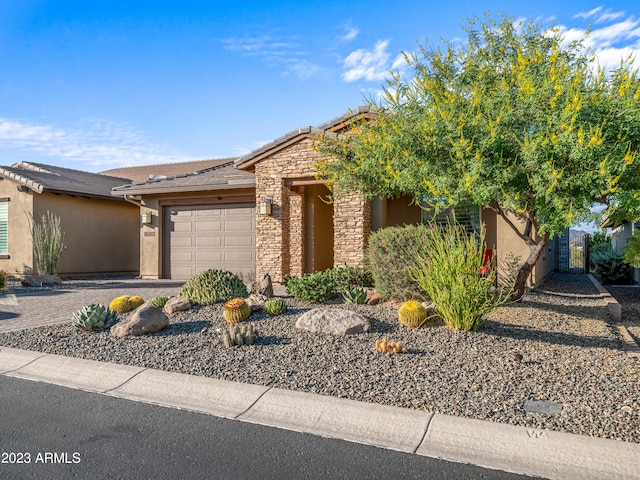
197	238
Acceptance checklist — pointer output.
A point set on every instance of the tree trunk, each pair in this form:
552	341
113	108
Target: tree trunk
535	250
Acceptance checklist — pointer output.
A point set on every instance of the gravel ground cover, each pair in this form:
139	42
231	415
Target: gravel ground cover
570	355
628	296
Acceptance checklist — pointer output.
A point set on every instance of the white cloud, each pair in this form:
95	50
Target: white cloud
351	34
101	146
589	14
274	52
371	65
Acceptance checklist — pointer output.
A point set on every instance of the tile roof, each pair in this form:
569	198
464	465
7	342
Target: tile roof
219	177
337	124
49	178
142	173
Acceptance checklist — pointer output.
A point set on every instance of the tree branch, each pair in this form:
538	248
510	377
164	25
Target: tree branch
498	209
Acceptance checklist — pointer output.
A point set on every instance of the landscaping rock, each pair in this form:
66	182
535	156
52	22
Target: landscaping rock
256	301
177	304
40	280
147	318
335	321
263	286
373	298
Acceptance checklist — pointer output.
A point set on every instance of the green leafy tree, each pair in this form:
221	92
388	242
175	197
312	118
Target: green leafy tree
517	120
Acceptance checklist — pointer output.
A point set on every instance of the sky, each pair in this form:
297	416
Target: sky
95	85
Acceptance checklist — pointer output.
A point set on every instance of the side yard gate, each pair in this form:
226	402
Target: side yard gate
572	253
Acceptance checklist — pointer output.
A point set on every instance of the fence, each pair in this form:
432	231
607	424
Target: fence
572	253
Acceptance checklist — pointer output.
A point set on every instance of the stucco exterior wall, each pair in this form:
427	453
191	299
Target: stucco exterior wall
151	236
20	247
100	236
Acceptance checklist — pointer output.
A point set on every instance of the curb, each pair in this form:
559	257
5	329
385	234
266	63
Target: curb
615	310
529	451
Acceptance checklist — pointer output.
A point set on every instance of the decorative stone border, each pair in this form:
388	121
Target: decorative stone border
615	310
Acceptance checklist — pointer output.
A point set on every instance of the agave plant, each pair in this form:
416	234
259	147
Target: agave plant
94	317
357	295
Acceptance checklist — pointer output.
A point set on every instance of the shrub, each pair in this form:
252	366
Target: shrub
350	277
213	286
312	287
449	270
391	258
3	279
632	250
614	271
47	239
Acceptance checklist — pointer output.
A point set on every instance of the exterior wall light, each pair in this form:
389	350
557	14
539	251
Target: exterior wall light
264	207
146	218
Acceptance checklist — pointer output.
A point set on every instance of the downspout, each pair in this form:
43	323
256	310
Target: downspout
133	200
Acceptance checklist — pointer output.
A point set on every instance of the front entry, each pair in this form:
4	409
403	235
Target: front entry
318	224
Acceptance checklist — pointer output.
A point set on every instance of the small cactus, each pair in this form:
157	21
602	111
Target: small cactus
236	310
125	303
412	314
135	301
160	302
391	348
275	306
357	295
238	335
94	317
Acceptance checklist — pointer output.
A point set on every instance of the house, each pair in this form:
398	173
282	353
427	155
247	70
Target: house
266	212
621	233
101	232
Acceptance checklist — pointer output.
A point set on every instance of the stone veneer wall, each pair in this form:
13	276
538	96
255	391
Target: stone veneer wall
280	237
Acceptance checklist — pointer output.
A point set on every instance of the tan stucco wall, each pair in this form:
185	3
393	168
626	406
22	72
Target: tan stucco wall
151	236
100	236
19	243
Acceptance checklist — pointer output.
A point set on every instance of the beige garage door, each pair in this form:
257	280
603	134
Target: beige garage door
197	238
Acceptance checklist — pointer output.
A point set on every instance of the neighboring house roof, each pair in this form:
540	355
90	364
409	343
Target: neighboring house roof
220	177
48	178
336	125
143	173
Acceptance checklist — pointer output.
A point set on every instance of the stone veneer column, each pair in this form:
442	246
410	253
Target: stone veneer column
351	228
296	231
270	228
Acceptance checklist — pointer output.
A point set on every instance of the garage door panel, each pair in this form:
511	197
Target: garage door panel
201	237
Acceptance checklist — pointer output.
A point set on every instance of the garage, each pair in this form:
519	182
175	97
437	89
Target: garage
199	237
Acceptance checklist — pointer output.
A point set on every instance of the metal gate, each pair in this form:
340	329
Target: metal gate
573	252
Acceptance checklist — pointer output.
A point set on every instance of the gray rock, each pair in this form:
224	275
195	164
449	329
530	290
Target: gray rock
40	280
177	304
263	286
256	301
335	321
147	318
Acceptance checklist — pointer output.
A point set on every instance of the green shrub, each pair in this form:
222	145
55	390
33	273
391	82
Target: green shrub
213	286
47	239
632	250
614	271
391	258
320	287
3	279
450	270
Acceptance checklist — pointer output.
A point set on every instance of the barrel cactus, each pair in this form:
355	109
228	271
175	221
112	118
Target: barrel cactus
135	301
275	306
236	310
213	286
412	314
94	317
125	303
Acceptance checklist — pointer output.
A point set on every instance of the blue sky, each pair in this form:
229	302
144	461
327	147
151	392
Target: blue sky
95	85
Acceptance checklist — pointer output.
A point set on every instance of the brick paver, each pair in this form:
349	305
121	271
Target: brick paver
27	308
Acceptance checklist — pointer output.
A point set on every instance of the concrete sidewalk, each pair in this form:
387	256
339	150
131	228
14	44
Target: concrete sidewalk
509	448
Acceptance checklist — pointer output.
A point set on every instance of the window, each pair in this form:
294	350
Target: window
465	213
4	222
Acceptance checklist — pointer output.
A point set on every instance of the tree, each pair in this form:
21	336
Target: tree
518	121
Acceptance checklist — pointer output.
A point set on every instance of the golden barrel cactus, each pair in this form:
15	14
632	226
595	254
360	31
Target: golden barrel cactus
412	314
236	310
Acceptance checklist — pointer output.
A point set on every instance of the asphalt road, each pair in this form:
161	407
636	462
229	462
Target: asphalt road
60	433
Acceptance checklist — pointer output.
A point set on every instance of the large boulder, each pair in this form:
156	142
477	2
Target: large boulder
40	280
335	321
147	318
263	286
177	304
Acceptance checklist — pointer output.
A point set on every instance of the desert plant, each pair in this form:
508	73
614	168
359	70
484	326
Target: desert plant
213	286
391	257
508	269
451	273
614	271
312	287
391	348
125	303
3	279
350	277
412	314
357	295
94	317
236	310
275	306
47	237
160	301
239	335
